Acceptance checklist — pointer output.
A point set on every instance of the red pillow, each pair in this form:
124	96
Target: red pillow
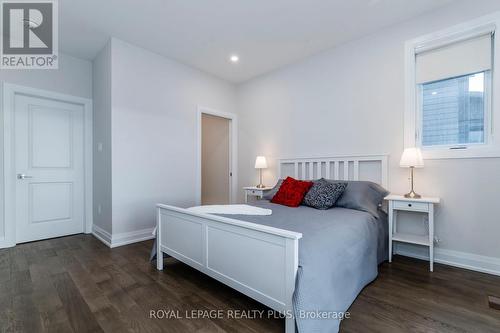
291	192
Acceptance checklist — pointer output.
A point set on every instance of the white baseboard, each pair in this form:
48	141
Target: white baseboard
483	264
101	235
124	238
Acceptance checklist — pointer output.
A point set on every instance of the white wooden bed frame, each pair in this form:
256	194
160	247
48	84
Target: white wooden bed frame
258	261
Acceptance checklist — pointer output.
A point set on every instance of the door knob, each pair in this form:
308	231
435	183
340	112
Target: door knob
23	176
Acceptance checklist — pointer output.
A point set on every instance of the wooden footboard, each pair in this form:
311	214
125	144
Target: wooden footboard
259	261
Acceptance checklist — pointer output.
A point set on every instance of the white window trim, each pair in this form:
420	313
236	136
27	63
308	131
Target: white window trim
463	31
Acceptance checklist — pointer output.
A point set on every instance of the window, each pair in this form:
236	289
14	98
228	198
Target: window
453	111
449	101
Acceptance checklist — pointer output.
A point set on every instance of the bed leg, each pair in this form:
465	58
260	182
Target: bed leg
290	325
159	259
159	253
292	266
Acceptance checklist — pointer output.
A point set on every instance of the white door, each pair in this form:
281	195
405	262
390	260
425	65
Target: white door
49	164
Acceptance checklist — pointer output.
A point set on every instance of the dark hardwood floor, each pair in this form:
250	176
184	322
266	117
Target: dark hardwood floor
77	284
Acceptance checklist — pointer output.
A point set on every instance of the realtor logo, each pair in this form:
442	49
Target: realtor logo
29	34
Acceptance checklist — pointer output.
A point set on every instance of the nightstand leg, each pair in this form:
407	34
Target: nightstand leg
431	237
391	214
246	197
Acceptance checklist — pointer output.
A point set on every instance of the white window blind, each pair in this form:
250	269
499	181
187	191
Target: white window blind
457	59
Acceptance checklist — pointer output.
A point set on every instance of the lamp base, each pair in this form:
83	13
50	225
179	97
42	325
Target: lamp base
412	195
261	186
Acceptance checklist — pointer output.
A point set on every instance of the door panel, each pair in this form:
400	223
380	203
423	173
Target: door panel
52	128
50	201
49	163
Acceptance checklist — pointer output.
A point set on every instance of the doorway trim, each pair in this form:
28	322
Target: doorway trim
233	143
9	92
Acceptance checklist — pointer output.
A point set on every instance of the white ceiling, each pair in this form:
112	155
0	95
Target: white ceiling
266	34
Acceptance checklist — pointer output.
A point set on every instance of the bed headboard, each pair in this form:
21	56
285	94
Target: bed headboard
353	167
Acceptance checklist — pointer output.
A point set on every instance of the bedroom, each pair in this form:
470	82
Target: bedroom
319	89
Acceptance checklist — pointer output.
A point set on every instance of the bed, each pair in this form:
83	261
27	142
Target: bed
303	270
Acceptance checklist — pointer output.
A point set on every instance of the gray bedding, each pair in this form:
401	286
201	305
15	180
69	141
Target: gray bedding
339	254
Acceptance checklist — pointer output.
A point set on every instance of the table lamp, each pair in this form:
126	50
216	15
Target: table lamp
260	163
412	158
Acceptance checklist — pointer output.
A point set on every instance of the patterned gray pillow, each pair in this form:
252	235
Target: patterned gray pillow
324	194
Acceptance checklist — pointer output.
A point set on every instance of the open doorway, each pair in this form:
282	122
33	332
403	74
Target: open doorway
217	151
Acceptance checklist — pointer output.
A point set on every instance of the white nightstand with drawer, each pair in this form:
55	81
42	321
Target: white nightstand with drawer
254	191
422	205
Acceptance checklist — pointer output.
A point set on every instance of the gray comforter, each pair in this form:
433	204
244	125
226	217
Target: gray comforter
339	254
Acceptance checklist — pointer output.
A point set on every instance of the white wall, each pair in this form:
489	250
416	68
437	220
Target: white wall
102	177
74	77
154	132
350	100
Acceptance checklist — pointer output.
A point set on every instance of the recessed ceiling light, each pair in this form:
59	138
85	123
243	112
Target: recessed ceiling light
234	58
434	93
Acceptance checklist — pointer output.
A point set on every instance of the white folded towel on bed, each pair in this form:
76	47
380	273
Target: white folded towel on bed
231	210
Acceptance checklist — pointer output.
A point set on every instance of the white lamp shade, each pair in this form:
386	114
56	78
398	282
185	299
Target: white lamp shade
412	157
260	162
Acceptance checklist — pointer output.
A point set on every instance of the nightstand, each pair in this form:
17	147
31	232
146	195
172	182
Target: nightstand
422	205
254	191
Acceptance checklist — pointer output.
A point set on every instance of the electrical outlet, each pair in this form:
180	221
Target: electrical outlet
99	209
99	146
